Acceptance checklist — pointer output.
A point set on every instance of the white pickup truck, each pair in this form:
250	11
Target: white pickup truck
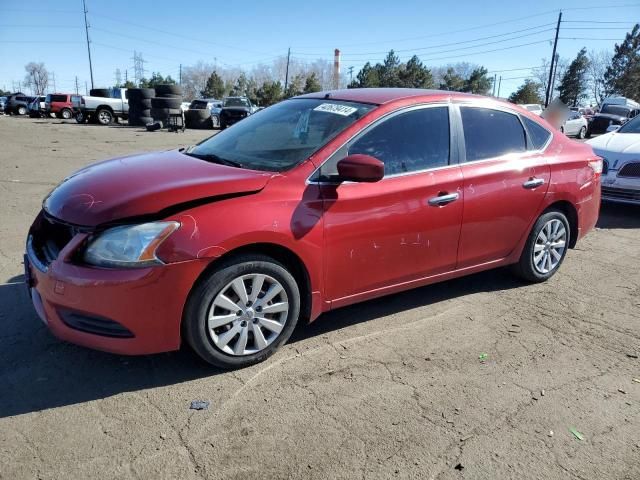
102	110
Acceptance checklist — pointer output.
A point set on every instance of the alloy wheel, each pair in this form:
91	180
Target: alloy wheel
550	246
248	314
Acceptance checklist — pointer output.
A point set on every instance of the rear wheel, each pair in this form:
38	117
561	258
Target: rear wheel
242	312
22	110
66	114
545	249
104	116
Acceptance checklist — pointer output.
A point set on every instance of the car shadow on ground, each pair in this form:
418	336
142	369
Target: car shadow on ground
619	215
39	372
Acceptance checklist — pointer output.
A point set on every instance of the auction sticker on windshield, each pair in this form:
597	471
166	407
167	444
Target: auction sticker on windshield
343	110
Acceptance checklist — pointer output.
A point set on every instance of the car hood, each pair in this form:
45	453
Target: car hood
627	143
145	184
610	116
237	109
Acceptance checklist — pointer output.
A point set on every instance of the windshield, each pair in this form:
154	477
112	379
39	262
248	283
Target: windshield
236	102
632	126
615	110
281	136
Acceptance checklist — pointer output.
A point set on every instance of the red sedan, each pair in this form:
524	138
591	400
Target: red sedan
317	202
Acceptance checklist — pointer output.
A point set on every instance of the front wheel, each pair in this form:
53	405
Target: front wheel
545	249
81	117
242	311
582	133
22	110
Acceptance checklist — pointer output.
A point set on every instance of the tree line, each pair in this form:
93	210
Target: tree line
590	75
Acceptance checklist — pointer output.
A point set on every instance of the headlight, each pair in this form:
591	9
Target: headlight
129	246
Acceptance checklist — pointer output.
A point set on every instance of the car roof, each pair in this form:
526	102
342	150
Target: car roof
381	96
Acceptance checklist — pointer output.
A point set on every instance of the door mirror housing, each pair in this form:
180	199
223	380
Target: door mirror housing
360	168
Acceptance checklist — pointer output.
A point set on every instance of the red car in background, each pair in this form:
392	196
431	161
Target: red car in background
320	201
61	104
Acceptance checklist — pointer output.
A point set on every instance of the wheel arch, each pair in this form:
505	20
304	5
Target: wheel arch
569	210
104	107
279	253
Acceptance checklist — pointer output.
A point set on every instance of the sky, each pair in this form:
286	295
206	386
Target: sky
507	37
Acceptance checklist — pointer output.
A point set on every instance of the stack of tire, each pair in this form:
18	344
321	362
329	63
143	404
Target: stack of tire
198	118
100	92
140	106
168	101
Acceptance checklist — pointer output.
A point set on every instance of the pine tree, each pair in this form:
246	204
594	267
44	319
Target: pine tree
574	85
527	93
312	84
622	77
269	93
389	70
415	75
478	82
214	88
452	81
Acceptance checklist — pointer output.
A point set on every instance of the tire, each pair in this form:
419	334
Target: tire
145	120
144	103
198	119
582	133
528	267
66	114
80	117
137	94
153	126
561	129
162	90
160	102
100	92
104	116
21	110
206	342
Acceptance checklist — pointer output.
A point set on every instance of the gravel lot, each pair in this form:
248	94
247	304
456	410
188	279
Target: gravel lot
393	388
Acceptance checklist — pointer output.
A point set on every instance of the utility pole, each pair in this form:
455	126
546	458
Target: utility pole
350	74
126	76
499	86
554	65
86	89
53	75
549	92
180	74
286	75
77	85
495	77
86	30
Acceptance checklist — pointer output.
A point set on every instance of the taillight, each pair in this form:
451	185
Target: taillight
596	165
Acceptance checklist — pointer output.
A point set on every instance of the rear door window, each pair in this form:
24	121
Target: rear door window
490	133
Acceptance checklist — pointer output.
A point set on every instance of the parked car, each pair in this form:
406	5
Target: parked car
621	172
3	102
61	104
235	109
102	109
18	104
575	126
315	203
533	108
614	111
587	112
37	107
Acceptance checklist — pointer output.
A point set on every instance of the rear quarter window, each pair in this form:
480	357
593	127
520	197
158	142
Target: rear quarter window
58	98
538	135
490	133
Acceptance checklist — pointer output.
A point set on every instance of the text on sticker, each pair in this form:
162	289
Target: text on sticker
343	110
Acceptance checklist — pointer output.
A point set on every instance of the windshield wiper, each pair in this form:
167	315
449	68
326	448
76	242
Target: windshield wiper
212	157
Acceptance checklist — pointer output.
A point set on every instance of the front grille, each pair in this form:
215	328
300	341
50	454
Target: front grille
630	170
599	125
621	193
235	115
95	325
48	238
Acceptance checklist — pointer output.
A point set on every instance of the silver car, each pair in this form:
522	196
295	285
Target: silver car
575	126
621	167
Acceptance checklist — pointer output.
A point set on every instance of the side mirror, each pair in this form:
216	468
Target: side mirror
360	168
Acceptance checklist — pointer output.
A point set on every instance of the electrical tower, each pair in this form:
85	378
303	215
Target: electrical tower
138	67
118	77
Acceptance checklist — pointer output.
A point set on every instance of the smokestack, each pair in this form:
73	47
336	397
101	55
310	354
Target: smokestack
336	69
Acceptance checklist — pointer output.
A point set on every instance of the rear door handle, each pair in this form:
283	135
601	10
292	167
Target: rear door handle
443	199
533	182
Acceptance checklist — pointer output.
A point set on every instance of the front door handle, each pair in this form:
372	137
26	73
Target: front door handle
443	199
533	182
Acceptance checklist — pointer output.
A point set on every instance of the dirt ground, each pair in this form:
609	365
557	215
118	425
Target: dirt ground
393	388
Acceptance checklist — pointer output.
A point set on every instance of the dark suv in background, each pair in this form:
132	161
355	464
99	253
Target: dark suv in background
610	114
235	109
61	104
18	103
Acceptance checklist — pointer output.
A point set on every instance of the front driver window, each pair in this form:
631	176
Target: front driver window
406	142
